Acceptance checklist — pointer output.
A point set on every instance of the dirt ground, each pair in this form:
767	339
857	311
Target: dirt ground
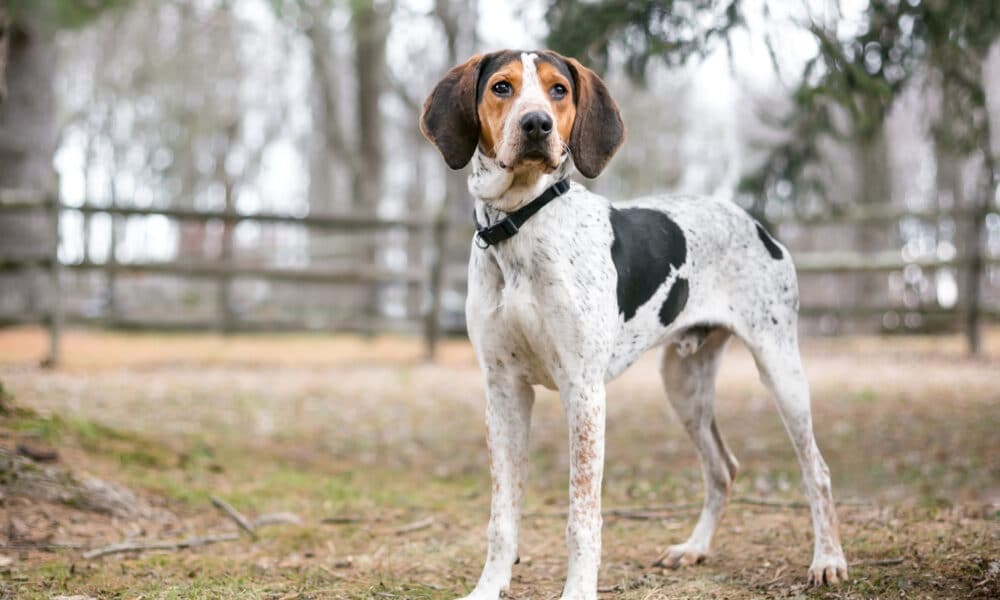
383	458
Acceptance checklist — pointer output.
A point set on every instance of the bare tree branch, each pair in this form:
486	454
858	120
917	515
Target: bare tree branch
193	542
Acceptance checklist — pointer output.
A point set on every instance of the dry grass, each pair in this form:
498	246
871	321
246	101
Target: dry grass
341	426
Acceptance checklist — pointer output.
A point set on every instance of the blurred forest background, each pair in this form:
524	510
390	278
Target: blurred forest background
256	164
215	166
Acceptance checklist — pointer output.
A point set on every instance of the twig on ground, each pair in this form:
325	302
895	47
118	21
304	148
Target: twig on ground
637	514
277	518
415	526
38	453
235	515
622	587
665	512
881	562
558	514
345	520
161	545
766	502
790	504
778	574
649	515
41	546
854	502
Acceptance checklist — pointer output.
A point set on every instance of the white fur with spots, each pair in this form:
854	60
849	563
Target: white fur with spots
542	310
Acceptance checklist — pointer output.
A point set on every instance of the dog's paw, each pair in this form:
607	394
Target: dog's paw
828	570
481	595
680	555
488	591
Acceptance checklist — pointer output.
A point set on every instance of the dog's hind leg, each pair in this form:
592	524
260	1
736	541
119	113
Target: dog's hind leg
780	366
688	370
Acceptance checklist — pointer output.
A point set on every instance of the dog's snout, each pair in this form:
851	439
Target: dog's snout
536	125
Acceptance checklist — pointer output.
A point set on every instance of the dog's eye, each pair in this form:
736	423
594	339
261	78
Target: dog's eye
558	91
502	88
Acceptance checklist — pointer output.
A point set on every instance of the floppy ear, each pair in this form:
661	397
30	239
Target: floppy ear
598	131
449	119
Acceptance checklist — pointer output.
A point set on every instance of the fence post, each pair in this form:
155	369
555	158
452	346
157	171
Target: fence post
224	311
111	264
973	314
55	285
432	325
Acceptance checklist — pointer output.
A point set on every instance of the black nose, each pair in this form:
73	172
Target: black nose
536	125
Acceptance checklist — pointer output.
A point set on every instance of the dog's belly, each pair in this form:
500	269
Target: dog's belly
628	349
637	336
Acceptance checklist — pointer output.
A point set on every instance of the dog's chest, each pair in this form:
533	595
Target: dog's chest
544	301
527	324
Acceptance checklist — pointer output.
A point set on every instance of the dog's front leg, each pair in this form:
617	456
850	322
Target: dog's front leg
508	418
585	412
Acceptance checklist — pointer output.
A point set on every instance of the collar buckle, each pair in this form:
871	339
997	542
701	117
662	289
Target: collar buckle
508	227
501	230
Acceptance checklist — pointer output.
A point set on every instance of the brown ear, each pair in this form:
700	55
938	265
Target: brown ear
598	131
449	119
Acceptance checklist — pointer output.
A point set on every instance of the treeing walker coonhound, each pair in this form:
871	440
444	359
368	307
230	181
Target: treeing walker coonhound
566	290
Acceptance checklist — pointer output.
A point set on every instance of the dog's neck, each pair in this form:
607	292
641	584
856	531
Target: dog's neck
498	191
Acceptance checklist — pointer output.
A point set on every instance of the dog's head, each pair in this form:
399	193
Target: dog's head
527	110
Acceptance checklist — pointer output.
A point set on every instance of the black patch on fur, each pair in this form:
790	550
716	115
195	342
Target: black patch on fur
675	302
769	242
648	245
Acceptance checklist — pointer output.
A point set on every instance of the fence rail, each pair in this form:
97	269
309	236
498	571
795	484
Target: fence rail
223	271
805	262
849	262
431	278
868	215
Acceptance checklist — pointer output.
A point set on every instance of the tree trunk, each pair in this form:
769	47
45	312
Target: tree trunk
225	315
456	18
370	24
985	193
875	190
328	147
4	49
459	23
27	144
27	116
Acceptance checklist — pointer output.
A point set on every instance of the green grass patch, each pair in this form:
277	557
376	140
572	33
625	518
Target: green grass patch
128	449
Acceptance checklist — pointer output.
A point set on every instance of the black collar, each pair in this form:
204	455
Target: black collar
508	226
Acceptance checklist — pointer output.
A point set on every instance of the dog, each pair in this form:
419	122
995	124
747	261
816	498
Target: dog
566	290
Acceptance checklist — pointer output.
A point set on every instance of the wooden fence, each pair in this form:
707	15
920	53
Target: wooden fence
430	278
221	271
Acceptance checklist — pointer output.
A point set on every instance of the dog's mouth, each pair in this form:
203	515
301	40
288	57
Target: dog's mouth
533	158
